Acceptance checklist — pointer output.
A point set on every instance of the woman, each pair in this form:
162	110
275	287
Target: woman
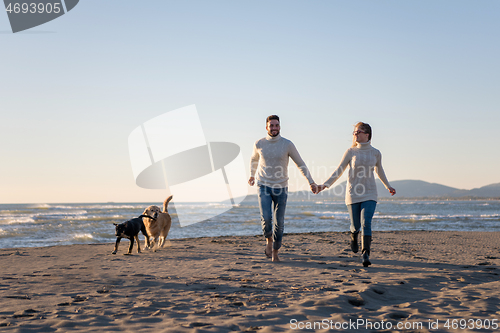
361	190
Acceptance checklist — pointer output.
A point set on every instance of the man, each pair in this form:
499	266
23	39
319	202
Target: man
273	152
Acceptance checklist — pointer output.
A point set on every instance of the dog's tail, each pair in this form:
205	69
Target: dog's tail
165	203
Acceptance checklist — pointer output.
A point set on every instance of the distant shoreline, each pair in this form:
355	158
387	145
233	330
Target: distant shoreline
253	197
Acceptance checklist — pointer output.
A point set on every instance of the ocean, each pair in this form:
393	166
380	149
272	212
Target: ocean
34	225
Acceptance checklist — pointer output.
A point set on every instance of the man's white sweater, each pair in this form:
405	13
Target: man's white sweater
270	156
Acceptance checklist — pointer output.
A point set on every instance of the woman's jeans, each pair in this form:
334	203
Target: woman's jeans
361	214
273	200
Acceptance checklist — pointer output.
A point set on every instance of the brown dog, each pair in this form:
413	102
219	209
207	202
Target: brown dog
157	229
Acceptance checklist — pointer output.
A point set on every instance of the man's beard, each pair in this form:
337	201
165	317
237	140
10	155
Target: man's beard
273	135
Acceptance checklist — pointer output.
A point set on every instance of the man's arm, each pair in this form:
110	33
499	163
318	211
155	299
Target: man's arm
254	163
299	162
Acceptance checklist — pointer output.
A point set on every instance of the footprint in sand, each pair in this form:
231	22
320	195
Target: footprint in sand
356	301
379	291
398	315
196	324
19	297
25	313
78	298
351	291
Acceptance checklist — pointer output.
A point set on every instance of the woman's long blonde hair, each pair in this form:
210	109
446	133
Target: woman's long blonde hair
365	128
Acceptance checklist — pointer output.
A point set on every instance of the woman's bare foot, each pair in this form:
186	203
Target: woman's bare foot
275	256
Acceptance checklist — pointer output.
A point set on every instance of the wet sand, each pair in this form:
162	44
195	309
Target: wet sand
418	280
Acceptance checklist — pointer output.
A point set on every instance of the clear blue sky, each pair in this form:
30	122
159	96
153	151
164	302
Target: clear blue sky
424	74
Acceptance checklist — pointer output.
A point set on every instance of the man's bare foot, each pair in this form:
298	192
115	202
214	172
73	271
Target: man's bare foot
275	256
269	247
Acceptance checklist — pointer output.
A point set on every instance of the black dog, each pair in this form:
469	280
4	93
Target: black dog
130	229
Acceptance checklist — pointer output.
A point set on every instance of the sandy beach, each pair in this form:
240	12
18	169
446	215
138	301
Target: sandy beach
420	281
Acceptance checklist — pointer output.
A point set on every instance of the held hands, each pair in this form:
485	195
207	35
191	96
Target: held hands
317	188
320	188
314	187
392	190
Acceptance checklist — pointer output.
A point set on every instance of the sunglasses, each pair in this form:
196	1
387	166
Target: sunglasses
358	132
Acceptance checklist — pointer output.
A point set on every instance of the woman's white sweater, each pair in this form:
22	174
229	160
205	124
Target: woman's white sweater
362	160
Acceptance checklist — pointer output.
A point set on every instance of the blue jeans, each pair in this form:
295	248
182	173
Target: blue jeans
361	214
273	200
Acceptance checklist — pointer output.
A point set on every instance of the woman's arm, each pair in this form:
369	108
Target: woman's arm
346	159
381	174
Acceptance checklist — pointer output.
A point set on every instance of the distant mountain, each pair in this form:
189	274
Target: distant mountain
416	189
407	189
488	191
